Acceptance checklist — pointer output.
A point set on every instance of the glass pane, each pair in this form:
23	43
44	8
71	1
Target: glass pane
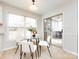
16	33
15	20
60	26
30	22
56	25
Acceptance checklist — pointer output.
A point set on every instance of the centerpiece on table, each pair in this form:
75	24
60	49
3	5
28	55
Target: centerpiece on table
33	30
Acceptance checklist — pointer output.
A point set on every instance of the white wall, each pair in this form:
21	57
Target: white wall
11	9
53	13
0	19
69	25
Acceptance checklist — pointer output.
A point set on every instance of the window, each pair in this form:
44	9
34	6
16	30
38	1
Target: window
30	22
15	20
18	26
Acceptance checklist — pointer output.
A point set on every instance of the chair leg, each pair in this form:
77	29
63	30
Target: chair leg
36	53
40	50
37	50
32	55
24	54
49	51
21	55
17	49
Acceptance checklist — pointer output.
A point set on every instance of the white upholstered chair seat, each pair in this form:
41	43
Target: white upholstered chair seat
26	48
43	43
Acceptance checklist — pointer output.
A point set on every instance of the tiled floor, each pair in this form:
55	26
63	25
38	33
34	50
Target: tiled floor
57	53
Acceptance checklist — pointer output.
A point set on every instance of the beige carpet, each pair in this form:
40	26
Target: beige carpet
57	53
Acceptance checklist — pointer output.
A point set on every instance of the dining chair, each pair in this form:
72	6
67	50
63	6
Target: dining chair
45	43
17	45
28	47
18	42
35	41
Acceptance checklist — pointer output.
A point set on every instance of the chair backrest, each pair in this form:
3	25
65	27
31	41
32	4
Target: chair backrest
48	39
27	46
19	38
28	35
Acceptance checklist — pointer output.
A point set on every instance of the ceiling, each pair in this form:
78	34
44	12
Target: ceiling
44	6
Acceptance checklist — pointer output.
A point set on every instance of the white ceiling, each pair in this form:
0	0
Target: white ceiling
44	5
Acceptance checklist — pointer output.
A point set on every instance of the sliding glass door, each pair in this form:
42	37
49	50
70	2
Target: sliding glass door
53	29
57	30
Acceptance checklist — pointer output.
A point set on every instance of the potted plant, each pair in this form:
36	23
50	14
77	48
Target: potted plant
33	30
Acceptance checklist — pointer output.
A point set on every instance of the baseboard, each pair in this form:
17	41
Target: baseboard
71	52
8	48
